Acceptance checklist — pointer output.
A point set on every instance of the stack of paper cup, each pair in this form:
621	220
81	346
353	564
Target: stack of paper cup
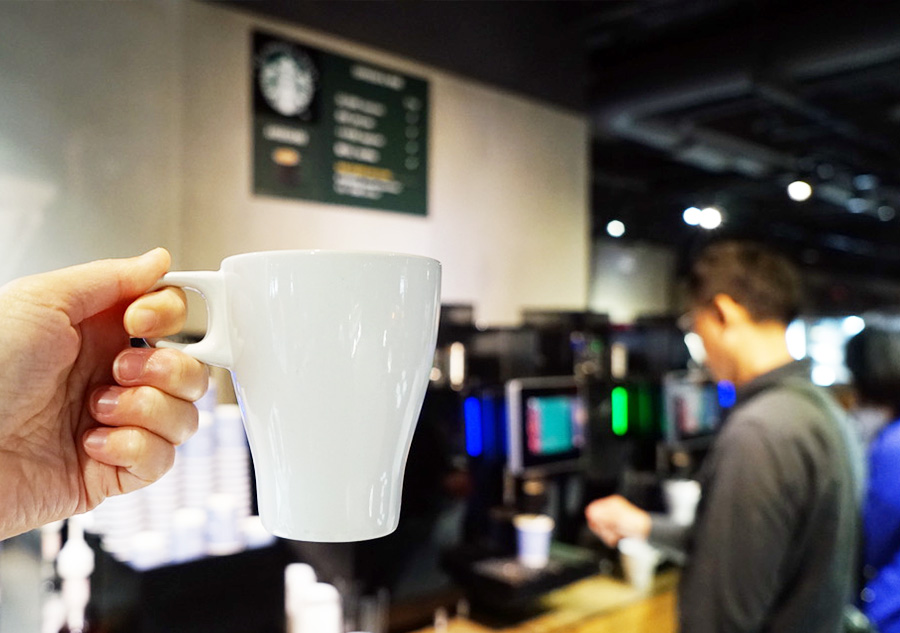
232	457
161	499
254	534
223	533
210	398
639	561
682	497
197	463
117	520
188	535
149	549
533	532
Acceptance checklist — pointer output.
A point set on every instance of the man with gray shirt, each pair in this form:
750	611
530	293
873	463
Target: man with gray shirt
774	543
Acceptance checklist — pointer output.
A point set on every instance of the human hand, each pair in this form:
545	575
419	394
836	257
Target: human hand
83	416
614	518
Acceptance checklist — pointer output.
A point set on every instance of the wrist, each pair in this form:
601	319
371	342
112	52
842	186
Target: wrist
639	525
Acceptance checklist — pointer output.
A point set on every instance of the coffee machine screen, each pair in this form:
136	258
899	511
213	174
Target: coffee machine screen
546	422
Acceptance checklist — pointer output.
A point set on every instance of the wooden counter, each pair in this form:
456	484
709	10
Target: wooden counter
595	605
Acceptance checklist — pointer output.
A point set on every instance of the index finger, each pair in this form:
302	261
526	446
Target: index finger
87	289
157	314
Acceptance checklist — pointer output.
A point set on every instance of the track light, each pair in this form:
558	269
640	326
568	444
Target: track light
616	228
710	218
692	215
799	190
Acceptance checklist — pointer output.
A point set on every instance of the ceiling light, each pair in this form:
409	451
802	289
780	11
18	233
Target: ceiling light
865	182
616	228
823	375
886	213
857	205
796	339
695	347
710	218
853	325
692	215
799	190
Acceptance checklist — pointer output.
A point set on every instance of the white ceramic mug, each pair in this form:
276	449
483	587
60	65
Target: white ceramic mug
330	353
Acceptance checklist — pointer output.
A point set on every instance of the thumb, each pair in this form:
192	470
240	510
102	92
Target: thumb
88	289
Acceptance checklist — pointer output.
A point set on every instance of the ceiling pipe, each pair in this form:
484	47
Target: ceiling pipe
645	106
787	97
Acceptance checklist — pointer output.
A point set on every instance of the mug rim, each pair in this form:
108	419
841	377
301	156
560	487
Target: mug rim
328	253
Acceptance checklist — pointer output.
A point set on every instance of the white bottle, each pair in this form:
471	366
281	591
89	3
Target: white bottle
75	566
53	611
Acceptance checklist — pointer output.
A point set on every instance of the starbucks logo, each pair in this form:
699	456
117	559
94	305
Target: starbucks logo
287	79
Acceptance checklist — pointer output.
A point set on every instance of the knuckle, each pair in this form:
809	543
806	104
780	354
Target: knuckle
188	424
148	402
179	374
132	443
151	458
165	364
166	461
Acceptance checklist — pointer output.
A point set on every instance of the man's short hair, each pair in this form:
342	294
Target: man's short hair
873	357
764	282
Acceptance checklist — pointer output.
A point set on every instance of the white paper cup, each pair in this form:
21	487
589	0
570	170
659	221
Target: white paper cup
682	497
223	534
254	533
188	534
229	426
149	549
317	609
639	561
296	577
533	532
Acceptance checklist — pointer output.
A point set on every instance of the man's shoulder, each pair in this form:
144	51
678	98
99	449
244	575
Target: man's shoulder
782	410
780	436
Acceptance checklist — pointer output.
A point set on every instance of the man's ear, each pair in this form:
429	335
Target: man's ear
729	311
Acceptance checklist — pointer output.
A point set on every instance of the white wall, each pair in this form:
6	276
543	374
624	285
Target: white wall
508	208
90	135
126	125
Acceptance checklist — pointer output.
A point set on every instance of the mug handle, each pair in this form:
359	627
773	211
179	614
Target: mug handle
215	347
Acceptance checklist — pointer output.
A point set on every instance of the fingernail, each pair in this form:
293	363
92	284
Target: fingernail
151	252
106	401
129	366
96	439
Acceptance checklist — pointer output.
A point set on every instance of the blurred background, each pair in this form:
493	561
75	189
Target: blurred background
577	154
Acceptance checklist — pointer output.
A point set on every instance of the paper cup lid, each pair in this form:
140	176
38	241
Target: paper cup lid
536	522
637	547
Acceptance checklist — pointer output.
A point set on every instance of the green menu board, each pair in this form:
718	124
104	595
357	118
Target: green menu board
332	129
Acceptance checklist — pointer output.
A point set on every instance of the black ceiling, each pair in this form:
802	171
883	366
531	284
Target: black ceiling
692	103
728	107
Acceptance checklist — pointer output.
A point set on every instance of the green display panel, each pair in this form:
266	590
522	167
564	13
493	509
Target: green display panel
337	130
